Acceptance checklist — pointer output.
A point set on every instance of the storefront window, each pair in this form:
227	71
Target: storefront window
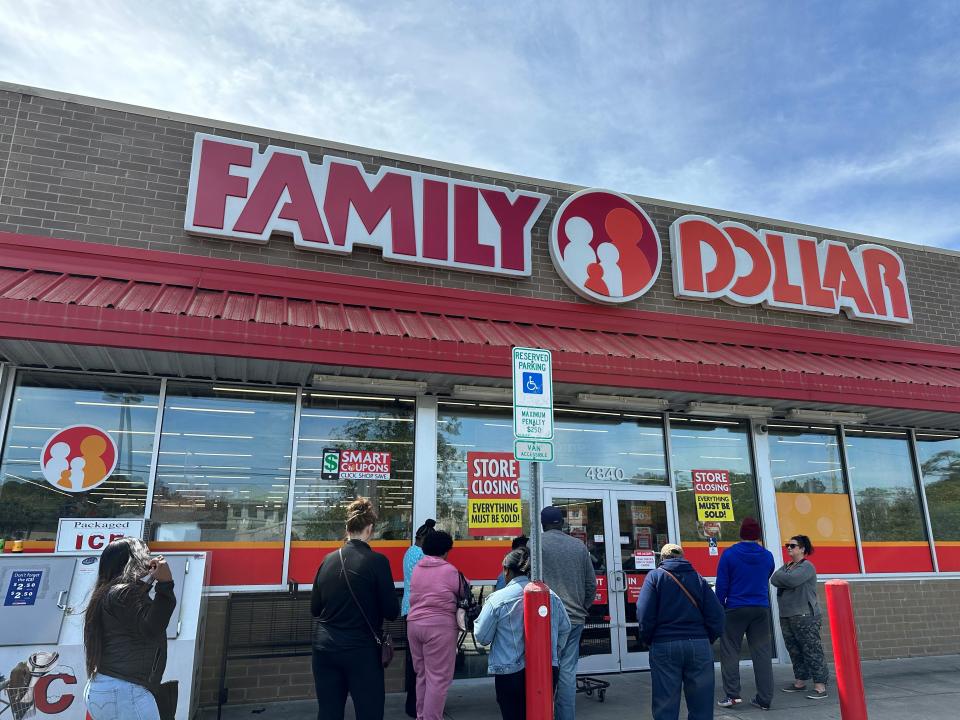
812	496
593	447
224	464
888	503
721	447
36	491
463	428
939	457
374	438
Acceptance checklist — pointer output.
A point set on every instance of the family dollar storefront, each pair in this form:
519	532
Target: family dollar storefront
228	332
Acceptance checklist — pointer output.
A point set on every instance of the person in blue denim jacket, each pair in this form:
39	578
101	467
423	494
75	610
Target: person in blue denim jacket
500	625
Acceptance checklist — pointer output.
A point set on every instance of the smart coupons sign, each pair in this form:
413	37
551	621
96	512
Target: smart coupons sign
711	491
493	494
355	465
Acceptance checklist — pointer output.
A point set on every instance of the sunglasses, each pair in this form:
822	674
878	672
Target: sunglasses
790	546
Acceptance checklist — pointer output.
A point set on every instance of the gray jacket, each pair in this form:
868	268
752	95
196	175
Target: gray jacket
796	585
568	571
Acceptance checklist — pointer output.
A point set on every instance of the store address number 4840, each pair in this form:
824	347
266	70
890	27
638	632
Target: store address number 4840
605	472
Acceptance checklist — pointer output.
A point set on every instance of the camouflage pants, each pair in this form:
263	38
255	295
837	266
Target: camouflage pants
801	633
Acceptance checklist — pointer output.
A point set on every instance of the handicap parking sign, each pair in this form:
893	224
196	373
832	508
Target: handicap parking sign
533	383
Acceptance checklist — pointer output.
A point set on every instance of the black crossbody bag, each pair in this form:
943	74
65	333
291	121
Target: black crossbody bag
384	641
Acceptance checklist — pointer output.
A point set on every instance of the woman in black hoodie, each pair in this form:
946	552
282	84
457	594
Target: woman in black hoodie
352	595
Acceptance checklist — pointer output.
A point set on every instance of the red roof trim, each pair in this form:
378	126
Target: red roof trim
59	291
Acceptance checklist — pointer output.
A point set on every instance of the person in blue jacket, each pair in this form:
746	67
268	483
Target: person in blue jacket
680	618
743	590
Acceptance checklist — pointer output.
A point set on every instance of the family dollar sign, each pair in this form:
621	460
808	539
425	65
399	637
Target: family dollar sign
711	489
493	494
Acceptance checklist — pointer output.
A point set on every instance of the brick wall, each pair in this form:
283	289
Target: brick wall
78	171
895	619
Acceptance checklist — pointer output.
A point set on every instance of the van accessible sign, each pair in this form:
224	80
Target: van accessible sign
711	491
493	494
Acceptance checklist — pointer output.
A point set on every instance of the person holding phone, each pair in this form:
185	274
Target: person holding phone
125	632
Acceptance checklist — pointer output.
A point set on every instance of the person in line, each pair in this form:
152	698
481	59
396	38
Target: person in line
680	618
519	541
568	570
500	625
432	624
743	589
796	584
352	595
125	632
411	557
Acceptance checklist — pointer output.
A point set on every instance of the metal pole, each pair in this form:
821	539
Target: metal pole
535	530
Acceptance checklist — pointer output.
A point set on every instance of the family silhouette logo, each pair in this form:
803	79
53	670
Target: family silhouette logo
604	246
78	458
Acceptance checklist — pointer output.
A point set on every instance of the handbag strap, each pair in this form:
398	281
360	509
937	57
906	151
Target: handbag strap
346	576
683	587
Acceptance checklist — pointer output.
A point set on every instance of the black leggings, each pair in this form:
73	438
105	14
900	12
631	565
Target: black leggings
512	693
358	672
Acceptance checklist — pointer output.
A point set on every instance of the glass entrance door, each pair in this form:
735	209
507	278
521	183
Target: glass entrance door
623	531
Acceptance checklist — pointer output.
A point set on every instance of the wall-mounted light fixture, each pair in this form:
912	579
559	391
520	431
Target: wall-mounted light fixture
622	402
482	392
345	382
729	410
834	417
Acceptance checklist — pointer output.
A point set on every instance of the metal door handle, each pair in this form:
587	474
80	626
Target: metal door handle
62	599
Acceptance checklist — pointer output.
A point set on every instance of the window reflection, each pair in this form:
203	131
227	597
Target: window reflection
697	444
44	404
463	428
939	457
595	447
224	464
353	423
888	504
812	497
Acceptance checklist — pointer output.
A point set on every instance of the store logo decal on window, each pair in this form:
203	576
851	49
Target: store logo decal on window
605	246
79	458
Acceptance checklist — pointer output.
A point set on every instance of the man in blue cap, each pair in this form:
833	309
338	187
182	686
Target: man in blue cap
568	571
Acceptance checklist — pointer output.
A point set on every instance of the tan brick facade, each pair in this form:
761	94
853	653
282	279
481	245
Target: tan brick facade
98	174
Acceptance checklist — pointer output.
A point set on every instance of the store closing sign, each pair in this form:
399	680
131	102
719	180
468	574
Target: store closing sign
493	494
711	489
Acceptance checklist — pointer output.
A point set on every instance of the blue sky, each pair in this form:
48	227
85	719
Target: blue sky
845	115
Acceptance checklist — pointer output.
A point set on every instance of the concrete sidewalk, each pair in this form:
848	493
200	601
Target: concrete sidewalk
914	689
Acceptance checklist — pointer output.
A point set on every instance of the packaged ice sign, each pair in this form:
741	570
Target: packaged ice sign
78	458
355	465
784	271
83	535
240	193
711	491
493	494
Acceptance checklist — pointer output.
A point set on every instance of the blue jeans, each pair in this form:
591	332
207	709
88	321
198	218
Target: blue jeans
686	665
567	657
108	698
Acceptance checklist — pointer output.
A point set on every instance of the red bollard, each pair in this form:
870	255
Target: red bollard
536	633
846	654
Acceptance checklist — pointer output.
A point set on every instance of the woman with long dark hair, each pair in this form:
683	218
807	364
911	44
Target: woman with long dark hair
352	595
125	632
796	584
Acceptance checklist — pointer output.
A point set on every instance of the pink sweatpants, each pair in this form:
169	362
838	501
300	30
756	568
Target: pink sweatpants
433	645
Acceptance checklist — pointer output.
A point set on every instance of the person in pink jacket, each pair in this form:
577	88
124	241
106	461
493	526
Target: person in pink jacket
432	628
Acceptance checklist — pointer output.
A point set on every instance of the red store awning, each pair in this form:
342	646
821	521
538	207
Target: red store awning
92	294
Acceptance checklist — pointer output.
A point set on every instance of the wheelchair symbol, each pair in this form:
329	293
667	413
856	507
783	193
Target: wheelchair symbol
533	383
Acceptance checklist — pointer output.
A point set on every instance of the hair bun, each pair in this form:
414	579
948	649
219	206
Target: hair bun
430	523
